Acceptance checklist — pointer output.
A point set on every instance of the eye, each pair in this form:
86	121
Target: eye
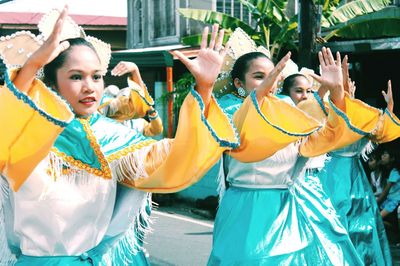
259	77
76	77
309	91
97	77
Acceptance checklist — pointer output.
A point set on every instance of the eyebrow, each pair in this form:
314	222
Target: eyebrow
82	71
258	72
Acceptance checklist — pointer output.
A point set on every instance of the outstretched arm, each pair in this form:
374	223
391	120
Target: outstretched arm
207	65
50	49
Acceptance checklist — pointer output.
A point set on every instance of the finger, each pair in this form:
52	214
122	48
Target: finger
218	44
390	86
58	26
213	36
384	95
338	59
321	59
329	55
204	38
325	56
61	47
183	58
345	66
316	77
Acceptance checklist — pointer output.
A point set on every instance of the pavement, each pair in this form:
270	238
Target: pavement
206	210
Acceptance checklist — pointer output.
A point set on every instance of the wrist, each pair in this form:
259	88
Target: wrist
151	112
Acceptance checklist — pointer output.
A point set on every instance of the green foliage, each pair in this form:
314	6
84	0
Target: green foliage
351	10
181	88
385	22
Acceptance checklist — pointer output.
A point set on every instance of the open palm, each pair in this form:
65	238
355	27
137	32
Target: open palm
207	65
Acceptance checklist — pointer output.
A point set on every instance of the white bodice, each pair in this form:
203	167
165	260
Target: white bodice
273	172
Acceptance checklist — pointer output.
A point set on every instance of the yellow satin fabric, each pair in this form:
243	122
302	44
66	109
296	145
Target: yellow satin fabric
341	129
259	139
27	136
388	130
312	108
193	151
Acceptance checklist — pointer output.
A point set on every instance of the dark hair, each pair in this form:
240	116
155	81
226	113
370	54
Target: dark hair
242	64
50	69
392	148
289	82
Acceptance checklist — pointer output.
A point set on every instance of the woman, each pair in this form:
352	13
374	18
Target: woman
345	182
64	204
297	87
265	217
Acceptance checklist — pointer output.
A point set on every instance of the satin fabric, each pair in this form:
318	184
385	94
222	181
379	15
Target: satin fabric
294	226
345	182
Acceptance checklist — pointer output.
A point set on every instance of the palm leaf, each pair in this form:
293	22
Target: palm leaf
211	17
385	22
353	9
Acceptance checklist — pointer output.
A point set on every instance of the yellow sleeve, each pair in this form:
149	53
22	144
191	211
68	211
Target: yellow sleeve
315	107
388	129
30	125
341	128
264	129
132	102
172	165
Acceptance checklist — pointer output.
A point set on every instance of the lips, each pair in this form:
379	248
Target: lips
88	100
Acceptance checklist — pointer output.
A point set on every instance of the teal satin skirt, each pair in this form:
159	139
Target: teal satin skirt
346	183
295	226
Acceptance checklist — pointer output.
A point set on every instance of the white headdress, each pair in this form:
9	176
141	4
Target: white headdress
240	43
16	48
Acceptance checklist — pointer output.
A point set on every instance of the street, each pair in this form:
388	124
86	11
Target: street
178	239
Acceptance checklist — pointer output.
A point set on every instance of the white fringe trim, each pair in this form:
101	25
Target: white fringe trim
132	166
367	150
6	256
131	243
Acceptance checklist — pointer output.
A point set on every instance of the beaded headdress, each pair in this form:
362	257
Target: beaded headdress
16	48
239	43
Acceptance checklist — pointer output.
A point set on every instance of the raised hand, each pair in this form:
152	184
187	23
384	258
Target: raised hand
207	65
331	75
269	83
348	85
123	68
49	50
53	46
389	97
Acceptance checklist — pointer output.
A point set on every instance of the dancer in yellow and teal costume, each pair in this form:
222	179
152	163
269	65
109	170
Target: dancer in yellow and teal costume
346	183
76	182
268	215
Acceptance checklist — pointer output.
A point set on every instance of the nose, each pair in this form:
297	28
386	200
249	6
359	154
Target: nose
88	86
304	96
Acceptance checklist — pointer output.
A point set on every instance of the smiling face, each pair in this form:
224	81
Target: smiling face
300	90
79	80
257	70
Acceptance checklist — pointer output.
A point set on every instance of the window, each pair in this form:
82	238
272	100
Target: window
152	23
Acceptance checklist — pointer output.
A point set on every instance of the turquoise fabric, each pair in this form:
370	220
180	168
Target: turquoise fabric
345	182
111	135
295	226
393	198
230	104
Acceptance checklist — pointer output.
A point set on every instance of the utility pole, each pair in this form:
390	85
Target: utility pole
308	27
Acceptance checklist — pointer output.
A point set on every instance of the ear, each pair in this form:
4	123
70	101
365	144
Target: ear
238	83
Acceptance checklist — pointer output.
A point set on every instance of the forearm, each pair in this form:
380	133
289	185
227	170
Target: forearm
25	76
